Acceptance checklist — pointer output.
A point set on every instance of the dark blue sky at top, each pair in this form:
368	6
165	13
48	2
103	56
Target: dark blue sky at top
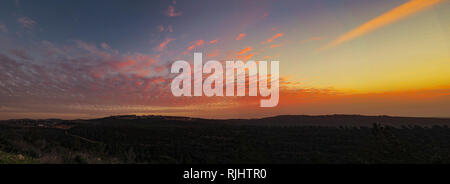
132	25
112	21
122	24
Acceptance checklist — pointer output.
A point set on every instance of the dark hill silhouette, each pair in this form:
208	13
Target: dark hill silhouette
346	120
282	120
280	139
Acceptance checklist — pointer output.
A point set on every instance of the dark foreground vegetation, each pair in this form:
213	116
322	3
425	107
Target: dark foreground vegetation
283	139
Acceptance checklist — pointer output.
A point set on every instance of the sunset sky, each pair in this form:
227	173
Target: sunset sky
92	58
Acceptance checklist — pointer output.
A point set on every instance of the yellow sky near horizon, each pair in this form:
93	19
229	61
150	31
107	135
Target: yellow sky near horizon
400	50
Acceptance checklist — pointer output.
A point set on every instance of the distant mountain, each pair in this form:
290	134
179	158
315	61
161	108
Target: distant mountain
283	120
345	120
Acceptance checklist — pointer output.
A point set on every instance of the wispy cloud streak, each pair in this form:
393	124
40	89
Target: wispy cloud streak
409	8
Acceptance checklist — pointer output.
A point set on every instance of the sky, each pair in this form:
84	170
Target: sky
93	58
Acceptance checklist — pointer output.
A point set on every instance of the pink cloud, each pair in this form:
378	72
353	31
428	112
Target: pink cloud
196	44
92	48
105	45
164	44
213	41
125	64
200	42
240	36
172	12
26	22
161	28
3	28
275	37
246	57
20	54
169	28
212	54
275	46
93	76
243	51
